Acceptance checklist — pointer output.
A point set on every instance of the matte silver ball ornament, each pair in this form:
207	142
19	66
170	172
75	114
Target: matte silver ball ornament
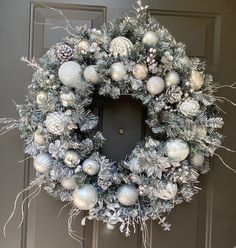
90	74
155	85
39	138
43	162
85	197
41	98
196	80
121	47
150	39
118	71
197	159
172	78
71	158
127	195
90	166
140	71
68	183
177	149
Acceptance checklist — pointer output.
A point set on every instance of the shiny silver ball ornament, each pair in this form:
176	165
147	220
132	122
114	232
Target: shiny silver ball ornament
121	47
39	138
177	149
67	99
196	80
70	74
90	74
82	46
197	159
155	85
85	197
127	195
68	183
43	162
71	158
150	39
56	123
41	98
189	107
201	132
140	71
167	191
172	78
90	167
118	71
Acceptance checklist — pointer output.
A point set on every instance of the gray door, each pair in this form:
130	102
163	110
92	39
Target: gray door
209	30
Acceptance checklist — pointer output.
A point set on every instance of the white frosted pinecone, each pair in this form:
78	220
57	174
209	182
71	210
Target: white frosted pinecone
173	94
64	53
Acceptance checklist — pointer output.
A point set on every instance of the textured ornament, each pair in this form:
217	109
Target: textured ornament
118	71
197	159
82	46
167	191
67	99
140	71
189	107
70	74
177	149
68	183
201	132
56	123
134	165
155	85
85	197
127	195
90	74
174	94
90	167
41	98
150	39
172	78
39	138
121	47
64	53
43	162
71	158
196	80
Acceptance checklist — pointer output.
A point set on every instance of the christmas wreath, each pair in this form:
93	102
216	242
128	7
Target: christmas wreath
131	56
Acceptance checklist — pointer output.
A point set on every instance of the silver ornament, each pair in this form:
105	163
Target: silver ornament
121	47
140	71
172	78
56	123
127	195
118	71
189	107
177	149
68	183
70	74
85	197
82	46
201	132
150	39
155	85
90	74
41	98
90	166
71	158
134	165
42	162
167	191
39	138
67	99
197	159
196	80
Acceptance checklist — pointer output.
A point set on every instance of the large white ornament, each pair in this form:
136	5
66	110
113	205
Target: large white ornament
85	197
140	71
71	158
90	74
150	39
155	85
177	149
118	71
39	138
196	80
56	123
41	98
43	162
67	99
121	47
90	166
167	192
127	195
197	159
172	78
70	74
68	183
189	107
134	165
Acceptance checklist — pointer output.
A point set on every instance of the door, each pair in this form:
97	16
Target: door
209	30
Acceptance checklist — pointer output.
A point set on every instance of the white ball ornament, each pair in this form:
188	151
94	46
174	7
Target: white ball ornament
39	138
177	149
172	78
90	167
67	99
71	158
43	162
118	71
121	47
127	195
90	74
41	98
85	197
155	85
150	39
197	159
196	80
140	71
68	183
70	74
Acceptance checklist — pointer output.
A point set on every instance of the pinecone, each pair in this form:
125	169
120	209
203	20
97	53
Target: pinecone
64	53
173	94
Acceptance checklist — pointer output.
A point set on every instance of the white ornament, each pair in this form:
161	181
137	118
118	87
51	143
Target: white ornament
118	71
121	47
41	98
43	162
140	71
155	85
70	74
90	166
67	99
82	46
201	132
168	191
71	158
134	165
56	123
189	107
85	197
172	78
127	195
177	149
68	183
196	80
197	159
90	74
39	138
150	39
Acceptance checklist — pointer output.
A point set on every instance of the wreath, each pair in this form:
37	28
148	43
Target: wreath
130	56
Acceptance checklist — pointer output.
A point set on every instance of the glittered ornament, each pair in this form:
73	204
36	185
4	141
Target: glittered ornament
155	85
140	71
196	80
82	46
71	158
90	167
41	98
39	138
67	99
189	107
85	197
70	74
118	71
150	39
56	123
134	165
121	47
127	195
90	74
42	162
68	183
167	191
197	159
64	52
172	78
177	149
